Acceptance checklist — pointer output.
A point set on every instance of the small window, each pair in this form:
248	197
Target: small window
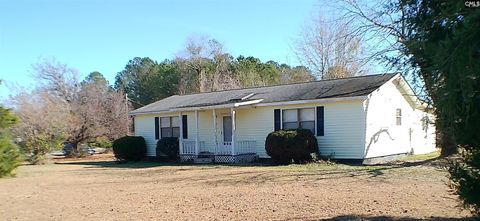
399	116
170	126
299	118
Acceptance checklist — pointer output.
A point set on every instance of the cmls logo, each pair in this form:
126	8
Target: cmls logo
472	4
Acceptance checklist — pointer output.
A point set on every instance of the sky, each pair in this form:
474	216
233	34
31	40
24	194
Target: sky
103	35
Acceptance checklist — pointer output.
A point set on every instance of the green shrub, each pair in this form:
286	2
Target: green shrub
129	148
9	157
285	146
169	147
465	176
9	153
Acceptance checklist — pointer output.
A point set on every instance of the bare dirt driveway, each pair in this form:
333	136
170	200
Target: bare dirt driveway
100	189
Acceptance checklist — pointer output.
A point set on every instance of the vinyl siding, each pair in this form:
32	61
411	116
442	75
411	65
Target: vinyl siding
383	136
145	127
344	127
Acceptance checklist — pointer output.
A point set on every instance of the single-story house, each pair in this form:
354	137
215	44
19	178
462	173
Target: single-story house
360	118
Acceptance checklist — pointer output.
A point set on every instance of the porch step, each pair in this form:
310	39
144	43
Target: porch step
203	160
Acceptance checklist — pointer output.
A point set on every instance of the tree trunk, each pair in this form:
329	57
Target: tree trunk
75	151
447	144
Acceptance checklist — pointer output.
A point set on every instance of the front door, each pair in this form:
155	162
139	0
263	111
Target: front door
227	129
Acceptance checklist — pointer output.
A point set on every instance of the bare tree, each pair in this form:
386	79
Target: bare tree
69	111
379	25
328	49
43	124
205	66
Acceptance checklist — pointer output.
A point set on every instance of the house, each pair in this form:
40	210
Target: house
360	118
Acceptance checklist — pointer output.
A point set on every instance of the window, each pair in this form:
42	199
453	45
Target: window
299	118
170	126
399	116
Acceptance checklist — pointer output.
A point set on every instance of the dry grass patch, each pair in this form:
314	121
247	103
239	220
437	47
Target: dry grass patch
104	190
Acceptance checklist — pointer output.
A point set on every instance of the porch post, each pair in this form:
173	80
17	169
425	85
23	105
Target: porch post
215	130
232	111
180	139
197	147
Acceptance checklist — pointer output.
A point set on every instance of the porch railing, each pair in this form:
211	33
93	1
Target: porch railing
241	147
222	148
189	146
245	146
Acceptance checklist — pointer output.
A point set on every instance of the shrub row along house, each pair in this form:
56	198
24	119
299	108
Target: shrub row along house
360	118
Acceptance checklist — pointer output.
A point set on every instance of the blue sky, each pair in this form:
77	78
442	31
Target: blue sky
103	35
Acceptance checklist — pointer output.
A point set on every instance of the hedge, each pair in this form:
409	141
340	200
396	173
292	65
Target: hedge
168	146
129	148
287	146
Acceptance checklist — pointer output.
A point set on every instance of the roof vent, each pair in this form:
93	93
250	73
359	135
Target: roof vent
242	97
247	96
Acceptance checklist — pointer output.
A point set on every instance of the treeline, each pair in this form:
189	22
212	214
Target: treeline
62	110
202	67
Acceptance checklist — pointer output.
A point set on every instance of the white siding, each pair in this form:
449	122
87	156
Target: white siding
344	127
383	136
145	127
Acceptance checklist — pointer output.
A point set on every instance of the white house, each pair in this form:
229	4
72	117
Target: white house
363	117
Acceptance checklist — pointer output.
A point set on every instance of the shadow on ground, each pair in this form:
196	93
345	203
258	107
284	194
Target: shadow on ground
116	164
386	218
355	170
148	164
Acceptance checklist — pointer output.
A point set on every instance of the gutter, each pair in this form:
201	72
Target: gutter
231	105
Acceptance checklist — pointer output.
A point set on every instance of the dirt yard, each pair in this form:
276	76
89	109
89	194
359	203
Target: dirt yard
99	189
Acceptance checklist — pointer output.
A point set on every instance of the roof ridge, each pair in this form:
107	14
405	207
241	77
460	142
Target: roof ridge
276	85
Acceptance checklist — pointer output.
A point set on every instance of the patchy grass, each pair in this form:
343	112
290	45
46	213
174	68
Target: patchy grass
106	190
422	157
329	165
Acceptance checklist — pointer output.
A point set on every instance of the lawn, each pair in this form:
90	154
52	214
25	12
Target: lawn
100	189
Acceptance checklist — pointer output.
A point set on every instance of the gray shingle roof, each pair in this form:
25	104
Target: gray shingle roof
345	87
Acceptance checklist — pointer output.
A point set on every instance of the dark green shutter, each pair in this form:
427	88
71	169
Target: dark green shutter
276	121
184	126
320	121
157	128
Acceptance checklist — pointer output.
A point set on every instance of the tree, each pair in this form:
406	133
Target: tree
145	81
43	124
198	67
60	109
329	50
294	75
9	153
443	45
95	77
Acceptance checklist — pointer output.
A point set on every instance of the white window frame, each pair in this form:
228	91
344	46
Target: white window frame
398	116
298	120
169	116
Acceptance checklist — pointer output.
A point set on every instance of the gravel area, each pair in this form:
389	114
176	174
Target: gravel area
99	189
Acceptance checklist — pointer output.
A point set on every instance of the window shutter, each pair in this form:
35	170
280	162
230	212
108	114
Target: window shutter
277	122
320	121
184	126
157	128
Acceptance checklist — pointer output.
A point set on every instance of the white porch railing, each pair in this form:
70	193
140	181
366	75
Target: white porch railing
241	147
189	146
245	146
223	148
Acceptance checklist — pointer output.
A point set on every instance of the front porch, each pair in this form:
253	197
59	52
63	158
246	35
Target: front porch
223	146
223	152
